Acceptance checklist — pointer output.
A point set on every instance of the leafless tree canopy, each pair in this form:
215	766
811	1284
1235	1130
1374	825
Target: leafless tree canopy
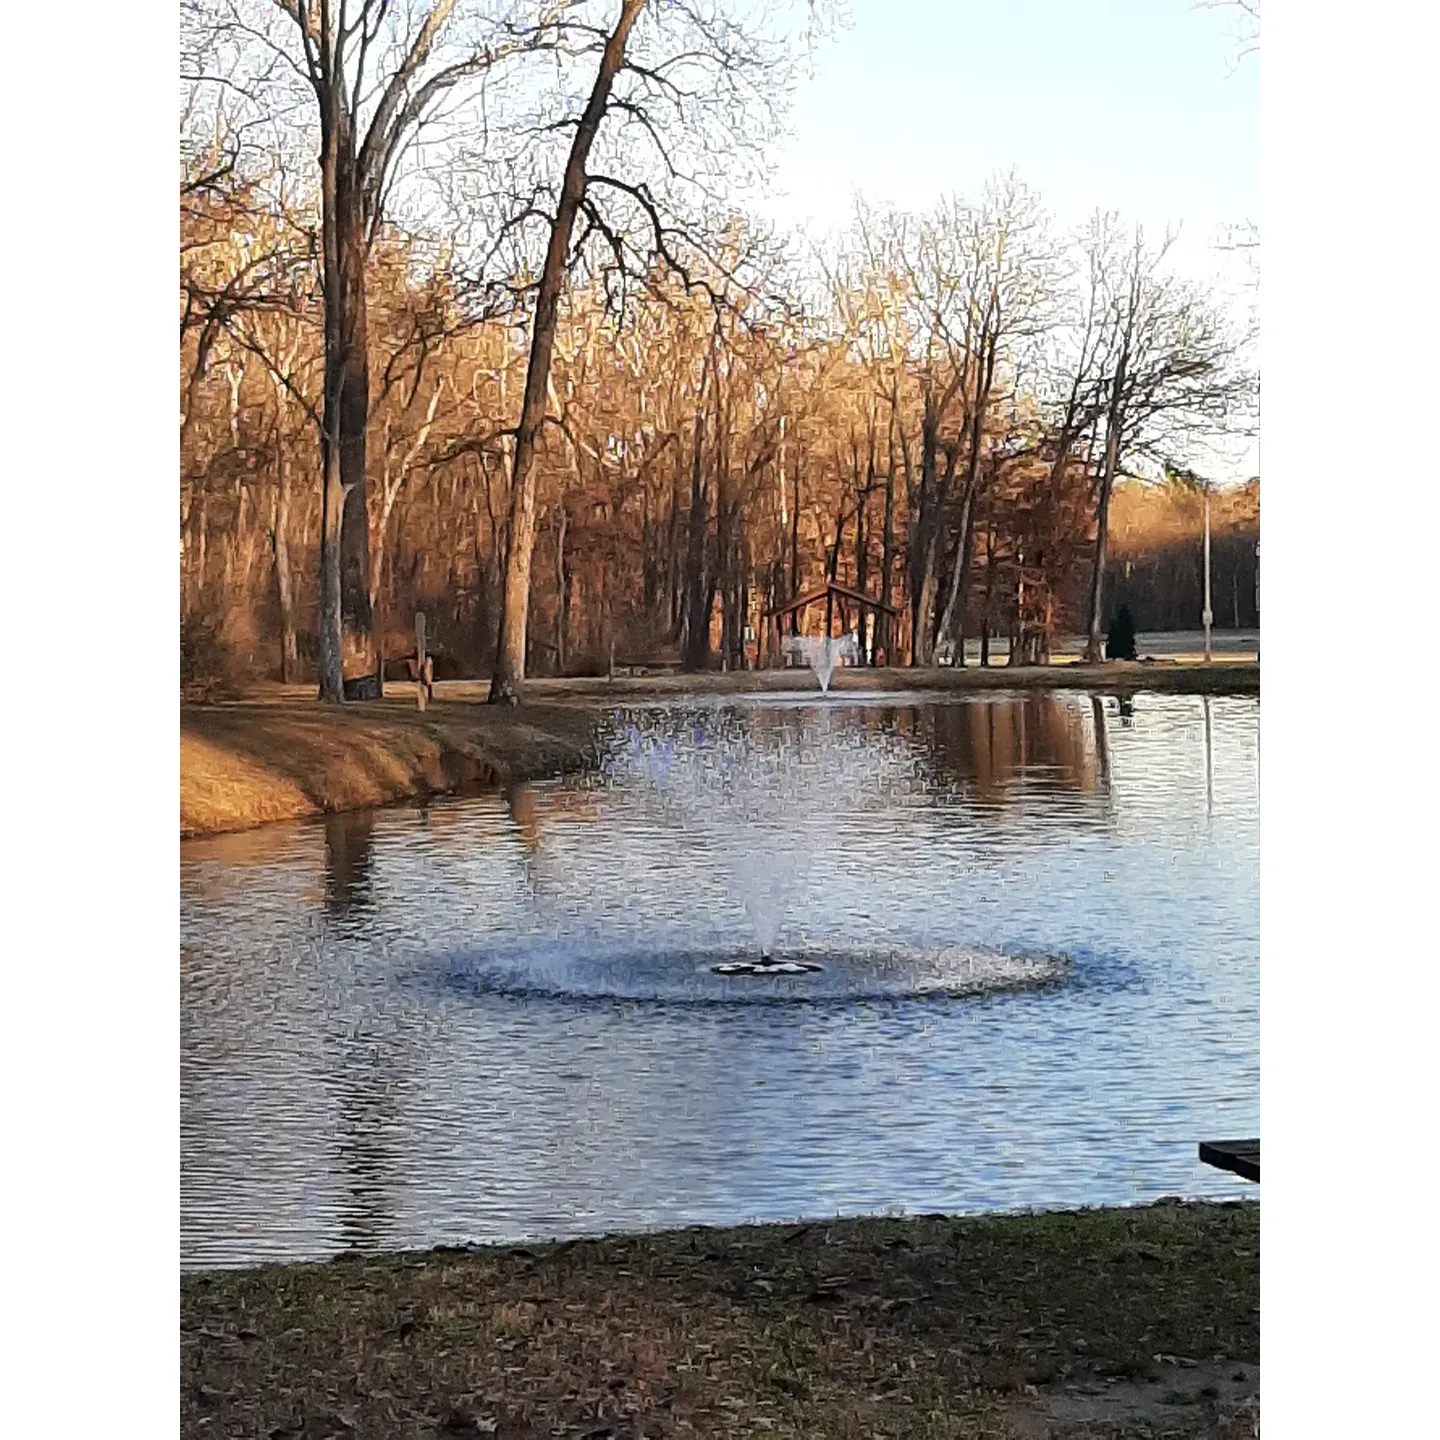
476	318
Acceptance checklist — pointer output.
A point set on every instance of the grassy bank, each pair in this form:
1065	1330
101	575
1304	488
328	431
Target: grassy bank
278	755
1121	1323
1171	677
281	756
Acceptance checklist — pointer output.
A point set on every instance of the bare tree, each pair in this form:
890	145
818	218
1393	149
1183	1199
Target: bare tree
515	606
1245	32
377	75
1012	276
683	87
1171	373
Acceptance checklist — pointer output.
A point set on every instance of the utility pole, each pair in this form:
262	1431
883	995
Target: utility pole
1207	615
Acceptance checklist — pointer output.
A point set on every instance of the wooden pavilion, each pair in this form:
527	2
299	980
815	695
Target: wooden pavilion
830	592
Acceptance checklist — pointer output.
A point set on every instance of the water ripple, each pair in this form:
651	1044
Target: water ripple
495	1019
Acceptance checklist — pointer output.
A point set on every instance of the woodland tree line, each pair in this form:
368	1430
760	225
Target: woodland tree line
503	356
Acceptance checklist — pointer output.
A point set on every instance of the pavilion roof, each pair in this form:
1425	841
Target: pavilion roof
832	587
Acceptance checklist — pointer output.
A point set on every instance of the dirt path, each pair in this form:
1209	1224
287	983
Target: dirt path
1115	1323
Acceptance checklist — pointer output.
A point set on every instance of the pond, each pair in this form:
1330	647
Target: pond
1033	922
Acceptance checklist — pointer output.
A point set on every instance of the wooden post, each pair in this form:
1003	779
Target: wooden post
420	686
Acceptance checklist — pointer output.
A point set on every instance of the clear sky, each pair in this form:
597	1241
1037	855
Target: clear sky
1137	106
1128	104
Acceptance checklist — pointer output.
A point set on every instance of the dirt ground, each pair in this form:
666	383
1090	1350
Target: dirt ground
1129	1324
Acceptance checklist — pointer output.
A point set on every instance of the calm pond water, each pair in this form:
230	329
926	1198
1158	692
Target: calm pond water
495	1019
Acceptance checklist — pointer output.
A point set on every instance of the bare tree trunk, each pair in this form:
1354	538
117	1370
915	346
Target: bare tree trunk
832	568
337	153
562	602
887	561
284	581
984	378
357	618
674	563
696	626
967	549
506	683
650	566
989	594
795	548
923	623
1094	642
862	543
960	573
332	503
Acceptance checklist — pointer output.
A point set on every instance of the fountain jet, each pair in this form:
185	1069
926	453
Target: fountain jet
821	653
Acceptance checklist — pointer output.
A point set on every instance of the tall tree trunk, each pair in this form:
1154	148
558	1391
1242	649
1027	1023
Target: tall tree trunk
332	503
989	594
650	560
795	548
674	559
356	616
696	625
284	580
955	605
959	572
887	561
862	542
562	598
509	676
962	589
337	199
923	622
1114	422
832	567
1094	641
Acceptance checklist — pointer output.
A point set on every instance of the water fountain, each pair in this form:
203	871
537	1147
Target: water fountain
821	653
763	801
756	819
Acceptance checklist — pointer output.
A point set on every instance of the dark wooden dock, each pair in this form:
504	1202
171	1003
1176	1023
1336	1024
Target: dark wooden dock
1240	1157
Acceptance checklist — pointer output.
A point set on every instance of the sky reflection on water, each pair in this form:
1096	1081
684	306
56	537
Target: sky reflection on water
356	1074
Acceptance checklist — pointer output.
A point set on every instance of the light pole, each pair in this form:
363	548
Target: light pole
1257	599
1207	615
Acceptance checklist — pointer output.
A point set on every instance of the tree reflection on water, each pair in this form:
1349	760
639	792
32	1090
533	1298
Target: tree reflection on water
349	846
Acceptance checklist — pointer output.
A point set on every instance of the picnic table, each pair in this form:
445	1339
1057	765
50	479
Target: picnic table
1240	1157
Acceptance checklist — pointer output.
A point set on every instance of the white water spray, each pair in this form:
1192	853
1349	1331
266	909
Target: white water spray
821	653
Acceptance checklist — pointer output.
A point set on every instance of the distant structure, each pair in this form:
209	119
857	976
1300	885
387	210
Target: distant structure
835	596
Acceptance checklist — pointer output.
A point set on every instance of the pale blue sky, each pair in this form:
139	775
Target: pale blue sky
1136	106
1129	104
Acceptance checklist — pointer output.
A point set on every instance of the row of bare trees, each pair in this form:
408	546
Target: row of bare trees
506	357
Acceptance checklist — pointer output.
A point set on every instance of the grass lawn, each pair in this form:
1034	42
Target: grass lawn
1117	1323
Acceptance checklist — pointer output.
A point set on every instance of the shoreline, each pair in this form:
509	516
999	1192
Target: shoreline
1131	1320
277	754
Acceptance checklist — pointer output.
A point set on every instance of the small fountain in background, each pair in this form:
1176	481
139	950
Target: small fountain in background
821	653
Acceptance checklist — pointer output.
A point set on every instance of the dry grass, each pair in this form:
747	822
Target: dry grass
277	756
1121	1323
